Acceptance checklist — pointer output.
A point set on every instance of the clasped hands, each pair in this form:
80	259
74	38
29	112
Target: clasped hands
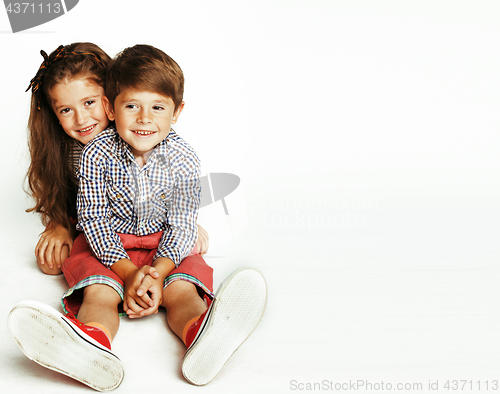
143	293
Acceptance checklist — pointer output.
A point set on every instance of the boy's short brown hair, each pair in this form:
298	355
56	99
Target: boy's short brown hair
147	68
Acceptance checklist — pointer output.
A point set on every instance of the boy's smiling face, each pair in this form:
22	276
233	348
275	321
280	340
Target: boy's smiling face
143	119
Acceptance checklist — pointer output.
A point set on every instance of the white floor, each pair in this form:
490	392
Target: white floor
370	303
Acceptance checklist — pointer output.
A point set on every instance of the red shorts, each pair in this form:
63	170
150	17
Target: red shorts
82	269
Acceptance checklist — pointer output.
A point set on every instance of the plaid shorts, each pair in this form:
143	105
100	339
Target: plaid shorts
82	269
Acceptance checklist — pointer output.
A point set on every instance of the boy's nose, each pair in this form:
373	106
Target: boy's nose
144	117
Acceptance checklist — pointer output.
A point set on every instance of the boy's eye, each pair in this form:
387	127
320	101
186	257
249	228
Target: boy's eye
157	108
131	106
89	102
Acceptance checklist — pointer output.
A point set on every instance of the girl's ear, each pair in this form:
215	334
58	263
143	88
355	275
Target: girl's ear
108	108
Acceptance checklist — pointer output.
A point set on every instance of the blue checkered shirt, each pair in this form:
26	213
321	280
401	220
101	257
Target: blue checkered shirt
117	196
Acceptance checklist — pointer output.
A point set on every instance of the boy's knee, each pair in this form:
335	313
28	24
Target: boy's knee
179	289
180	286
64	253
54	270
101	292
50	271
47	270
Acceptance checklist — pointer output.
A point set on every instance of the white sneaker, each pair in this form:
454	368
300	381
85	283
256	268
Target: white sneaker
65	345
236	310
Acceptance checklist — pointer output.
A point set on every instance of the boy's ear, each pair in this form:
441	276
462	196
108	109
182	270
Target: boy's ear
108	108
177	112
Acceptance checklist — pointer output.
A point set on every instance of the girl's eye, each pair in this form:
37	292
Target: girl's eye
89	102
65	111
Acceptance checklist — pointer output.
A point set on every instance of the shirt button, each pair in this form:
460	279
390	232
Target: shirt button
163	197
118	196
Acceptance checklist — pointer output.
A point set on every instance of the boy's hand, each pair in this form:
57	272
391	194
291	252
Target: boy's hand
151	287
143	286
202	241
137	302
53	248
151	292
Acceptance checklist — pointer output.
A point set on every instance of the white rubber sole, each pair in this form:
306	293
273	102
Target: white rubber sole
237	309
47	337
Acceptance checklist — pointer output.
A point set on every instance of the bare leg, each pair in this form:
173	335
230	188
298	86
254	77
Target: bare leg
183	303
100	305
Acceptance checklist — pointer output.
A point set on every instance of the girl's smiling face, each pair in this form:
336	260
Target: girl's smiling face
78	105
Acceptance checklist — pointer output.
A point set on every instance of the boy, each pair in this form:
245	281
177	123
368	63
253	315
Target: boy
137	205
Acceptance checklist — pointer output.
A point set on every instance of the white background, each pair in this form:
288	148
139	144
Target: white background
366	136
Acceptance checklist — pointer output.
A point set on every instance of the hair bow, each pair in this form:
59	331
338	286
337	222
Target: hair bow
59	53
47	61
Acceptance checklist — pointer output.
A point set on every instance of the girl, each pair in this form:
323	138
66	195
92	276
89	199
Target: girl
66	113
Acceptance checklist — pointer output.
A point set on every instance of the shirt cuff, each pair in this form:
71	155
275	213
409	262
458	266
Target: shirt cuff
169	252
112	256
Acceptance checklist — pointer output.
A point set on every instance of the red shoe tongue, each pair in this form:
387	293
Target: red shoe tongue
192	331
99	335
92	330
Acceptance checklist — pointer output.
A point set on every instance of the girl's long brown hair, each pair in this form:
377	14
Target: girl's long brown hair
50	178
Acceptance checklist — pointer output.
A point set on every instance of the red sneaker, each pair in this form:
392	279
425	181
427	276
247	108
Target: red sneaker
235	312
93	332
193	331
64	344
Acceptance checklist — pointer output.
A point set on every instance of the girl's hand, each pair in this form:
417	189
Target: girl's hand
53	248
202	241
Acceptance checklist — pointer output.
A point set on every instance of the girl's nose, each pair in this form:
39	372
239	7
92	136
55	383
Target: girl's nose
81	117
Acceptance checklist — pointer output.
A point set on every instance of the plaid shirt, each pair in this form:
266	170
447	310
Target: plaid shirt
117	196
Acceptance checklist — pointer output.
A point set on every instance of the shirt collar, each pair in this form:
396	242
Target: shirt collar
122	149
162	147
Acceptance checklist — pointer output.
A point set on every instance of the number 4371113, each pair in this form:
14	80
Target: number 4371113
33	8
